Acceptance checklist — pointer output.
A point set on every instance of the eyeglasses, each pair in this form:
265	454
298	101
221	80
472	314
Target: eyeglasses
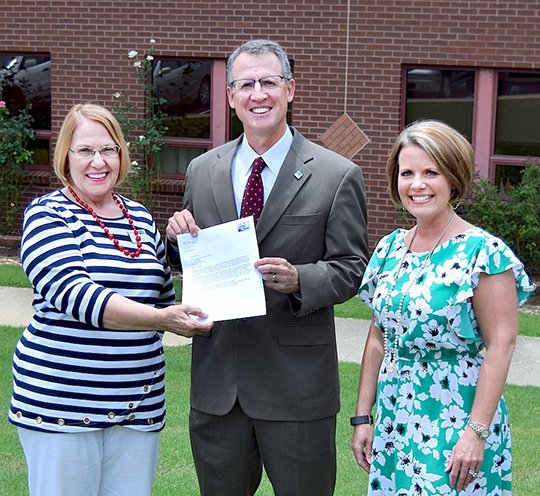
267	83
107	151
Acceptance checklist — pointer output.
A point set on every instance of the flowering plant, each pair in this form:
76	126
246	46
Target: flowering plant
149	129
15	133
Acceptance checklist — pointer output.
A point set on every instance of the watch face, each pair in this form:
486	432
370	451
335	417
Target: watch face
484	434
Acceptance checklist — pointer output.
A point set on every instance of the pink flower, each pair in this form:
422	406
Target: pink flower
2	104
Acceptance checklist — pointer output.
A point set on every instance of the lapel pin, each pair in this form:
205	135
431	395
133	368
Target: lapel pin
298	174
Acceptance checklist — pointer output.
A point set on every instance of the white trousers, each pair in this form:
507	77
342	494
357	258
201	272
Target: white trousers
116	461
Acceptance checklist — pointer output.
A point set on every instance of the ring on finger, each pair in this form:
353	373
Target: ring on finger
472	473
274	279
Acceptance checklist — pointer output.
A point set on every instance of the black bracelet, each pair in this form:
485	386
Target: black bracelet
362	419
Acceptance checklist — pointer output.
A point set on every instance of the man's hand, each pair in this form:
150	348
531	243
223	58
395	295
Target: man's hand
180	223
278	274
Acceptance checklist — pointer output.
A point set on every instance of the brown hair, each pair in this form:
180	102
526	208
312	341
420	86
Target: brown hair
72	120
450	150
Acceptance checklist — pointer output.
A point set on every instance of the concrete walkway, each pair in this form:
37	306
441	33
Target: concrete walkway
16	310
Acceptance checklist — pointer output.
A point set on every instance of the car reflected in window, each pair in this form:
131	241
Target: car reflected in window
26	80
182	84
183	90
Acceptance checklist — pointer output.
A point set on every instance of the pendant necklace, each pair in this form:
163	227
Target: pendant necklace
110	235
391	355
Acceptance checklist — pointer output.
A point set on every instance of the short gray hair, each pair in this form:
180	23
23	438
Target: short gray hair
259	48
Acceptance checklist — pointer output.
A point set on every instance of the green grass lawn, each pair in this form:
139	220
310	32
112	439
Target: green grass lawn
176	474
13	276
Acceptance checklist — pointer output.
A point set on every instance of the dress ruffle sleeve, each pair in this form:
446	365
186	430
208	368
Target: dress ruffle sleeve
491	255
385	248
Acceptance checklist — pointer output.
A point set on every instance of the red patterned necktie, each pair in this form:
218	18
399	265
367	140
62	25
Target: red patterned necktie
252	201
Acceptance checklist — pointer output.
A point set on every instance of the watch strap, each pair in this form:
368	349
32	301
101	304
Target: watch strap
362	419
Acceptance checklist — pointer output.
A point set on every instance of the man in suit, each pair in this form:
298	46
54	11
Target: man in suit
265	390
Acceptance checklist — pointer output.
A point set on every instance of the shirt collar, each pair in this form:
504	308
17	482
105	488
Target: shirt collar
274	157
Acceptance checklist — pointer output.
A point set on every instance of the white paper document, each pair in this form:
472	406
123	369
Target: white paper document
219	275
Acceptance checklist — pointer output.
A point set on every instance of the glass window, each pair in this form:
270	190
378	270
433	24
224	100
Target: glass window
518	108
443	94
25	82
184	90
508	176
40	151
175	159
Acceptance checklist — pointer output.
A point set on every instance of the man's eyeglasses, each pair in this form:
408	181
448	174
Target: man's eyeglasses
267	83
107	151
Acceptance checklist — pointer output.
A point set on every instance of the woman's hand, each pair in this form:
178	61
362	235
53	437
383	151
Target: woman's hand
466	460
185	320
361	444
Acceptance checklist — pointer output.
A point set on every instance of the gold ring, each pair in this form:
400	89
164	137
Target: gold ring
273	277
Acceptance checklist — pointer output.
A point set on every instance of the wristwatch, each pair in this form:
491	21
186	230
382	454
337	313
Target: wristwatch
362	419
480	429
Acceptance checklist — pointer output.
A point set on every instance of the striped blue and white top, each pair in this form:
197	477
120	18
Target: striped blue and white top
70	374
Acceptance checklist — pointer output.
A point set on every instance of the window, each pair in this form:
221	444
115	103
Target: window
442	94
25	81
518	108
506	136
184	88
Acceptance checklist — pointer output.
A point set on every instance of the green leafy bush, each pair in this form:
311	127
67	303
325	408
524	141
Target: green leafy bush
512	216
15	133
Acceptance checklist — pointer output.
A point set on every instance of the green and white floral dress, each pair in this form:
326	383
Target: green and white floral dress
423	405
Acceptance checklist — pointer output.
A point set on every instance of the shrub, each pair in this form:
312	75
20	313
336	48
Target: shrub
512	216
15	133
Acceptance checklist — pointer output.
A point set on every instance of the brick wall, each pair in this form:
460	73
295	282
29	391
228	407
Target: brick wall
89	41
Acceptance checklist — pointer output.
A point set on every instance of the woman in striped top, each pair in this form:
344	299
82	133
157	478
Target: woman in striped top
88	371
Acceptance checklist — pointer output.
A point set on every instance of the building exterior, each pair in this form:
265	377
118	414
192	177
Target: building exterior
379	63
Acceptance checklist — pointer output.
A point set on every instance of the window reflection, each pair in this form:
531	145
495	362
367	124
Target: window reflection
174	160
40	151
26	80
184	90
518	108
430	83
441	94
507	177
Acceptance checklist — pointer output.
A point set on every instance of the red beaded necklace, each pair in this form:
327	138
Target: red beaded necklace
125	251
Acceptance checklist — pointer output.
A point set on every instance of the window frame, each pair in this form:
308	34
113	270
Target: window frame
483	119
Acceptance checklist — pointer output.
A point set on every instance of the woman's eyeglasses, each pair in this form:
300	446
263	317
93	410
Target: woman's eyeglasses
107	151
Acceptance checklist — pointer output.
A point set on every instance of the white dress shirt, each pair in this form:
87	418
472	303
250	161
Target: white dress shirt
241	166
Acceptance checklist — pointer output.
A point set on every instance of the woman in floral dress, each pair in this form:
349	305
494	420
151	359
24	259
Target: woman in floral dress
445	298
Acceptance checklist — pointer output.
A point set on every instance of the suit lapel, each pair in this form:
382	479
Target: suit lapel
292	177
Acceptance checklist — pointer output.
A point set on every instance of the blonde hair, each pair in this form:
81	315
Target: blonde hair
73	118
450	151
